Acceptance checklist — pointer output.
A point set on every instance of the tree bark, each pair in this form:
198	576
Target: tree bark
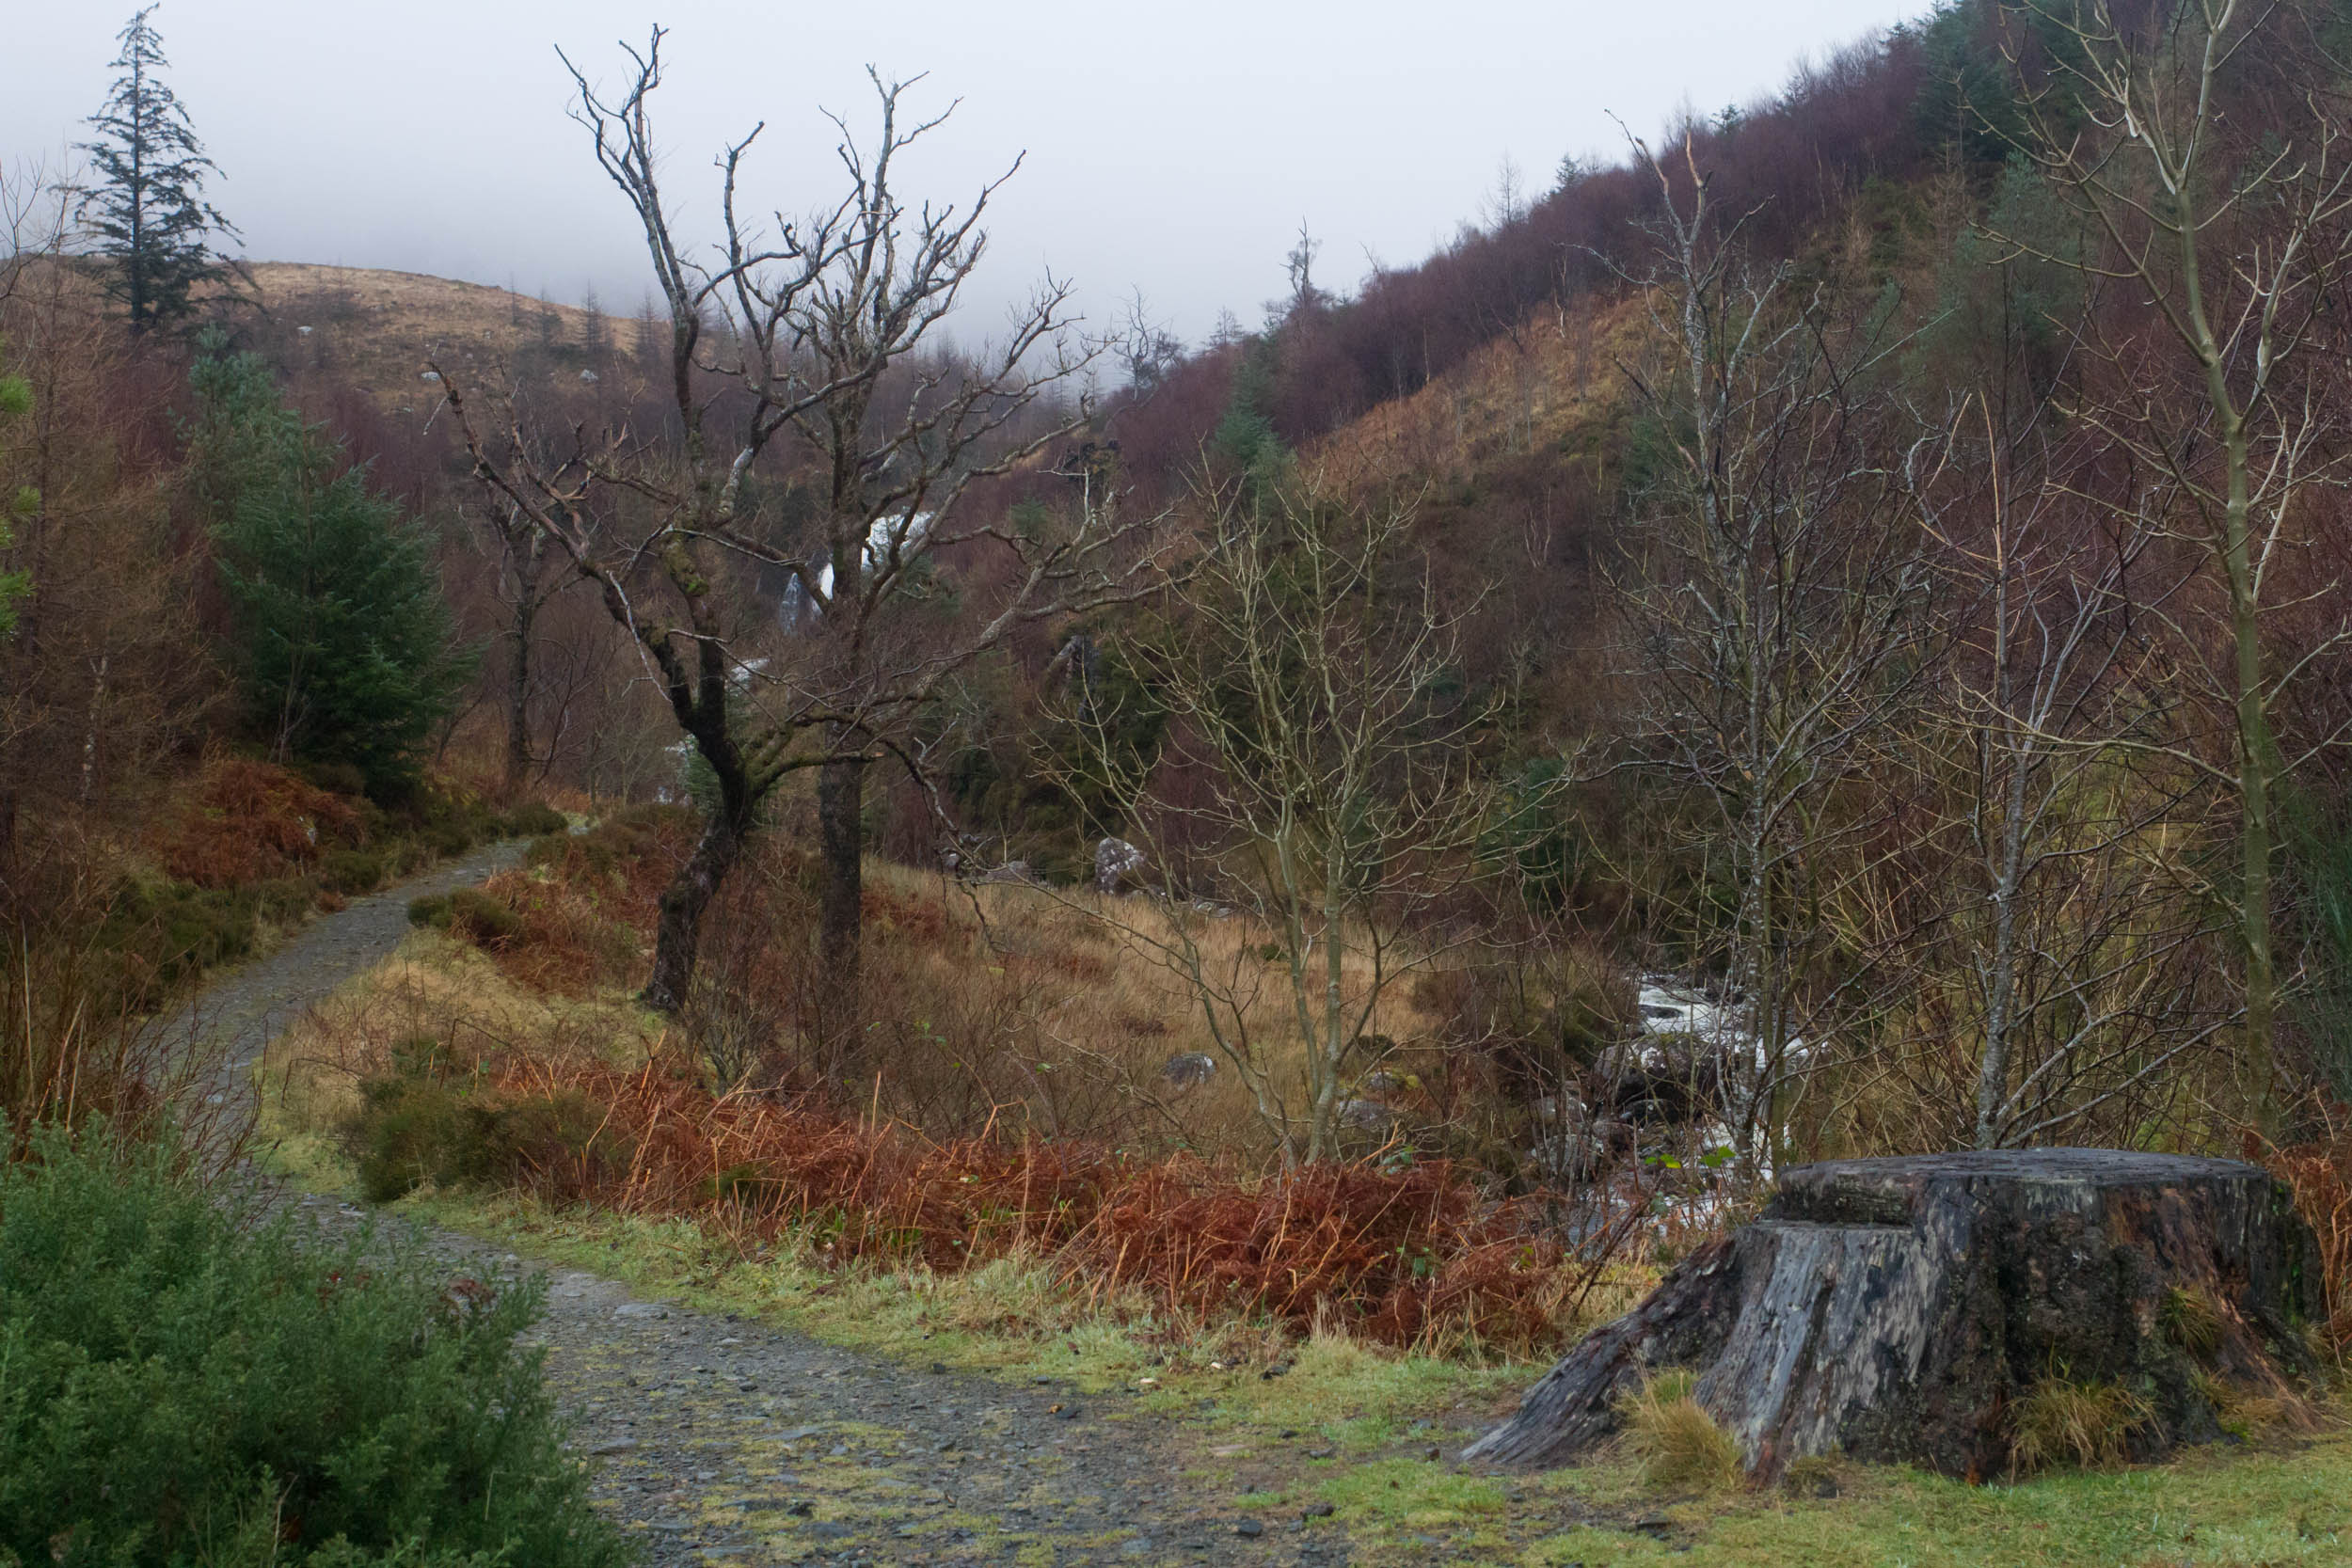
1896	1309
518	685
840	813
679	931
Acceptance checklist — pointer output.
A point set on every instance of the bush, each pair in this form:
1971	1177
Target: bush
169	932
536	820
248	821
186	1385
351	872
421	1127
470	913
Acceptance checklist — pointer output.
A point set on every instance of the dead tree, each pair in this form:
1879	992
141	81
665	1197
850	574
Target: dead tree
798	352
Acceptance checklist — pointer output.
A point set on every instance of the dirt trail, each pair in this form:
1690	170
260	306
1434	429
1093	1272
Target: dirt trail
728	1441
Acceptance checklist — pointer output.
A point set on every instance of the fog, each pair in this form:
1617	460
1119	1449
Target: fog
1170	149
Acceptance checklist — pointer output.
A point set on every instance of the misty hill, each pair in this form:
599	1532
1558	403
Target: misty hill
375	329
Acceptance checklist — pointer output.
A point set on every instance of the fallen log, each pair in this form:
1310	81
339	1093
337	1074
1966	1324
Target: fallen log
1900	1310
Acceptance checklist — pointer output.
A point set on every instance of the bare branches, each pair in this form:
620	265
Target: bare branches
1774	609
802	370
1312	774
2240	247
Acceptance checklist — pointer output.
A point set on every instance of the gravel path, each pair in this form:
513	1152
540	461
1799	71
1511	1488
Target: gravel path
730	1441
238	1015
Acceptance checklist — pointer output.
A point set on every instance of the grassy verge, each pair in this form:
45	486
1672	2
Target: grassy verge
1351	1427
1340	1424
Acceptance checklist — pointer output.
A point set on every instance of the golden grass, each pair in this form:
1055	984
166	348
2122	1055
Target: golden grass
1107	1015
1559	380
1675	1441
2061	1421
2191	1318
377	328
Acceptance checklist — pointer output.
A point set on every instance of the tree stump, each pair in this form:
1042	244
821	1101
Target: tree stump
1896	1309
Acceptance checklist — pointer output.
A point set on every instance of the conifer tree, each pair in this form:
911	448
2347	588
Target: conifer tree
342	643
146	200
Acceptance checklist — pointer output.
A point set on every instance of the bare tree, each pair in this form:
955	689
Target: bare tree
2075	914
800	345
1314	776
525	585
2236	240
1773	608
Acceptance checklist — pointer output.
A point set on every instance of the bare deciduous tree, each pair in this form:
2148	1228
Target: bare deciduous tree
1315	777
800	351
1774	614
2080	932
2237	240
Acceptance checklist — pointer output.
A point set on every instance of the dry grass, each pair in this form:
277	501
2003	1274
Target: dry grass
1558	380
1675	1441
1410	1258
2060	1420
994	1008
377	328
1017	1108
2319	1173
2192	1320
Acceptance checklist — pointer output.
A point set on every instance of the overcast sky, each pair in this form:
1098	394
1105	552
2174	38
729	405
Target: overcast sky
1173	148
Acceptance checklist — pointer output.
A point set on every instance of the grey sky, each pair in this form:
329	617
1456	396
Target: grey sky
1173	148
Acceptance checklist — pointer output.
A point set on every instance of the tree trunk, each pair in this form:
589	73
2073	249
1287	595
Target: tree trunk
840	813
518	695
683	902
1896	1309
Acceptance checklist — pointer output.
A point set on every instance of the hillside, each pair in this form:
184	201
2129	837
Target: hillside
375	328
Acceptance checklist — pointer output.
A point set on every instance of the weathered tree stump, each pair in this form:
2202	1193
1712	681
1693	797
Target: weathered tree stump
1896	1309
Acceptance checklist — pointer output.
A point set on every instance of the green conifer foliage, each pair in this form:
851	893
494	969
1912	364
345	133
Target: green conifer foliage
145	199
342	642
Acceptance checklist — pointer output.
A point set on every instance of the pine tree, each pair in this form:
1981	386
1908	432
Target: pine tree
342	643
147	199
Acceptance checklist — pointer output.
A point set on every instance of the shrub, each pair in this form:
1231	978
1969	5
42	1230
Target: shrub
535	820
185	1385
167	932
470	913
351	872
421	1127
483	920
250	821
1677	1441
2060	1419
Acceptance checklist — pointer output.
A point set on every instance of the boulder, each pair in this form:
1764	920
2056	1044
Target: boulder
1189	1069
1900	1310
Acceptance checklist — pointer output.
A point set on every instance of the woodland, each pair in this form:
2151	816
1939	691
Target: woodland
1825	637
